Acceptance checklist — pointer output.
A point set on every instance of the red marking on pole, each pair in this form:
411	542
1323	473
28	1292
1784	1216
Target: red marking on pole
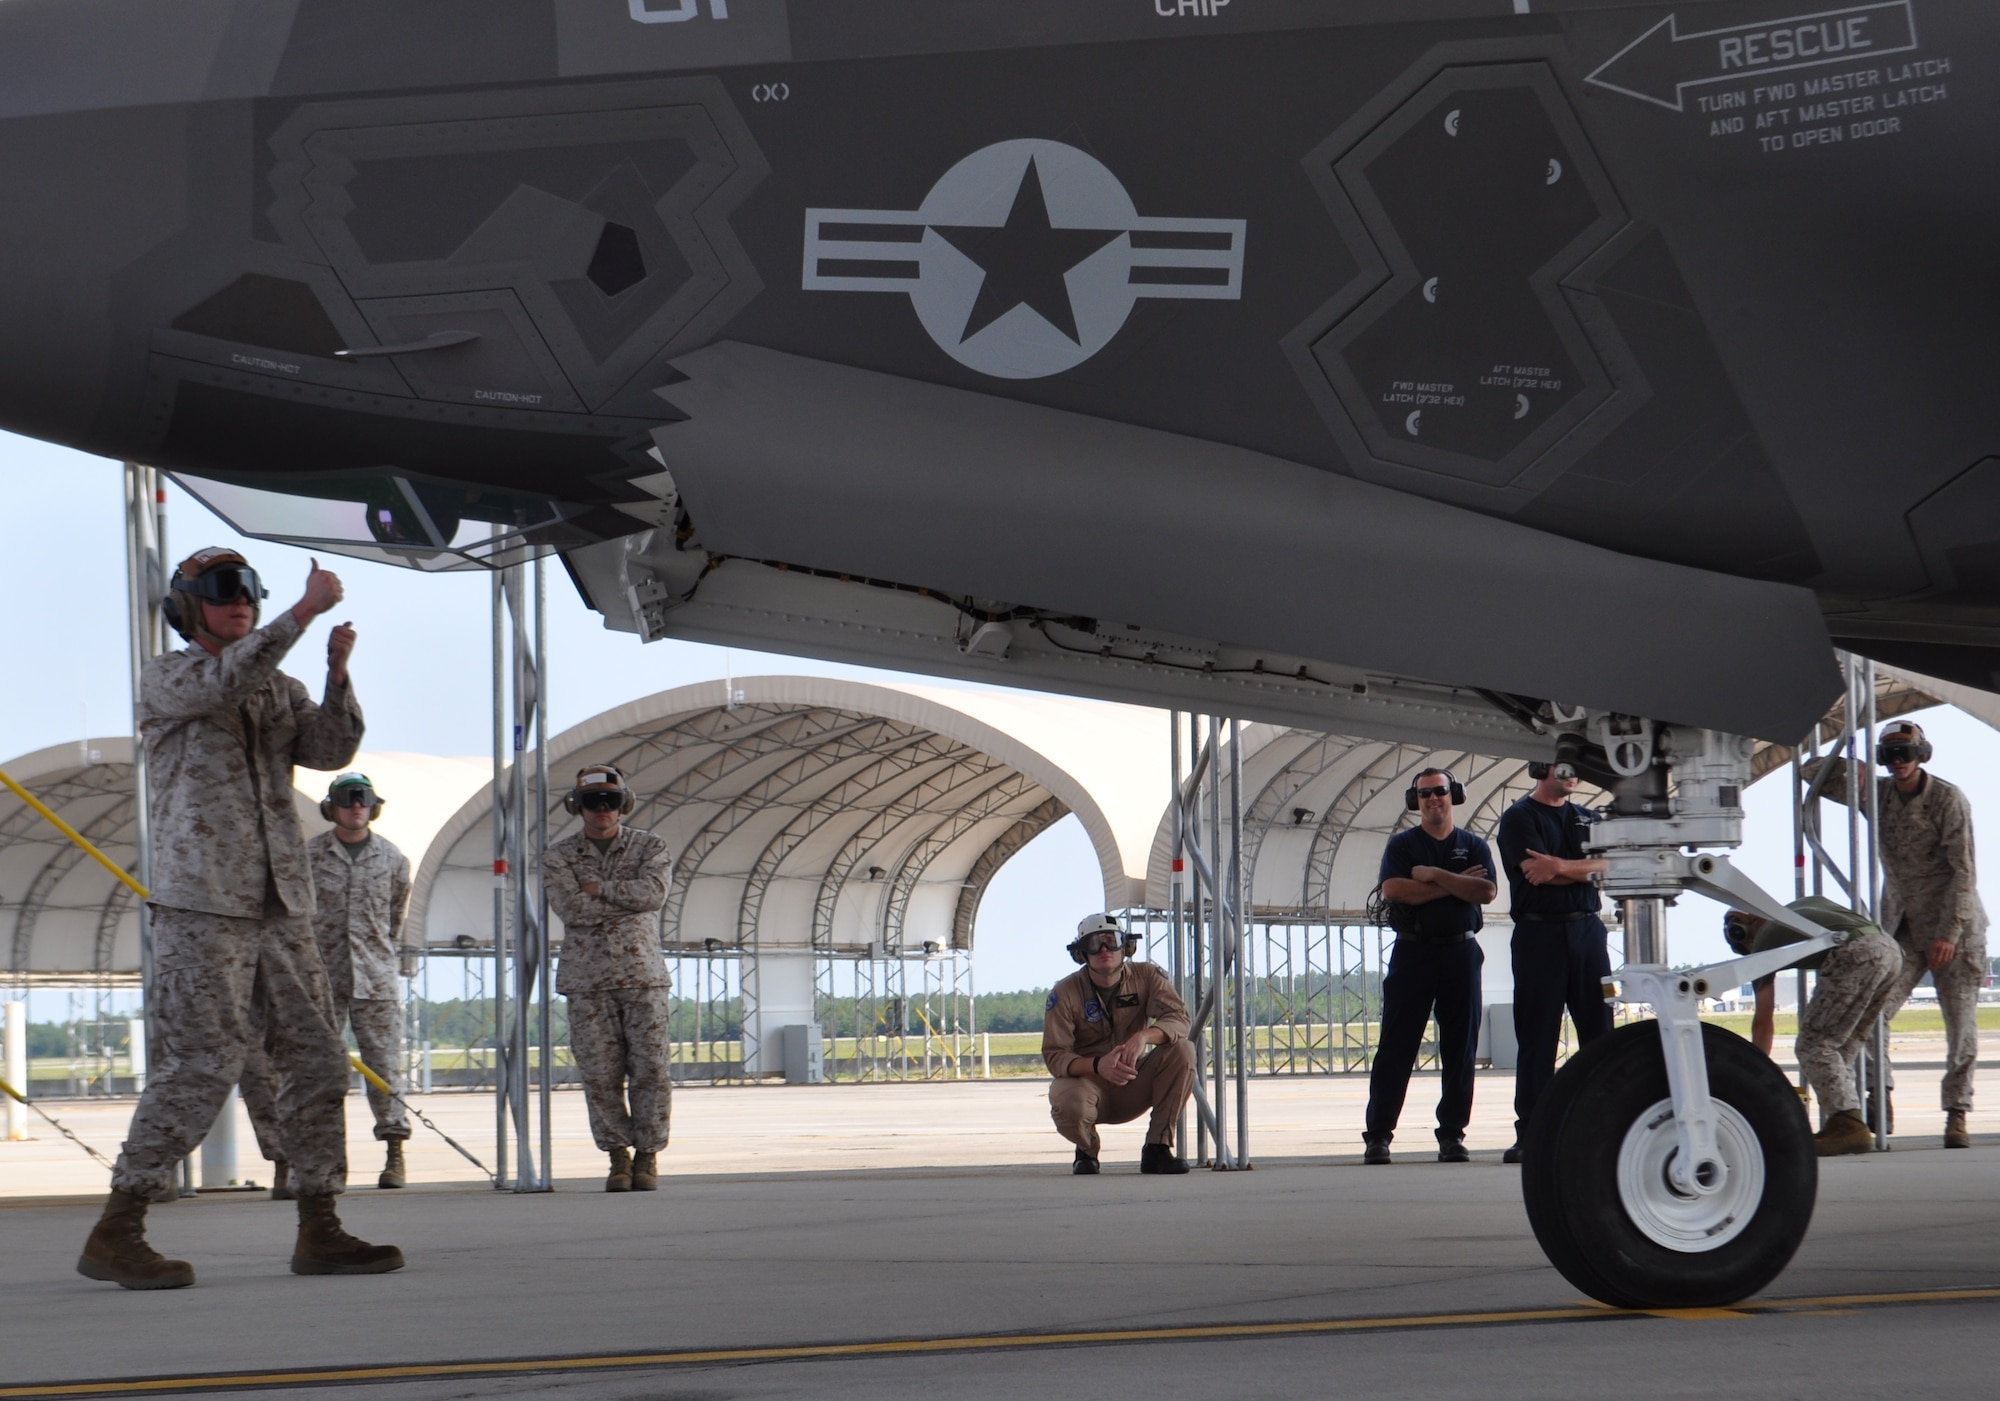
500	867
159	496
1179	865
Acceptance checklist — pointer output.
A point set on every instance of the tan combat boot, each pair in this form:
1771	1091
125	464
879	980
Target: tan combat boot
620	1177
117	1250
392	1169
1955	1132
323	1248
281	1184
1844	1133
645	1172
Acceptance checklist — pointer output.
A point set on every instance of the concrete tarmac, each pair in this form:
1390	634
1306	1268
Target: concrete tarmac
1309	1275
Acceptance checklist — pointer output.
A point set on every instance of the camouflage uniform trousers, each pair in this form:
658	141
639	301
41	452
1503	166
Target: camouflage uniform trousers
378	1031
1858	982
1958	984
620	1039
216	980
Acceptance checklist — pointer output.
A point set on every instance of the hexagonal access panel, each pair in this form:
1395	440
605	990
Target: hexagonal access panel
618	262
1472	200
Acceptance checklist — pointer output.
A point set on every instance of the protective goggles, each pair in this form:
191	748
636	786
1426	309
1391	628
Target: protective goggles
224	584
1103	942
353	796
1901	752
605	800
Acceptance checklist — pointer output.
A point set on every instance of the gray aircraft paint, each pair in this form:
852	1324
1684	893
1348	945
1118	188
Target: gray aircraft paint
1674	335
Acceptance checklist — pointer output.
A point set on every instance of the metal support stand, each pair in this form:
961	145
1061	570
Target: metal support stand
1210	924
145	588
521	1011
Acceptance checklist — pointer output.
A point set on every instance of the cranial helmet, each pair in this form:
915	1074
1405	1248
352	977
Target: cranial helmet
217	574
600	778
1100	924
346	786
1904	734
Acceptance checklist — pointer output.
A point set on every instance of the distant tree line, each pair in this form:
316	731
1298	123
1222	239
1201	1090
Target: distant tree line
469	1021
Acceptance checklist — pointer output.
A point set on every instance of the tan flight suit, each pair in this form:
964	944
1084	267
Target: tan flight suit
1858	981
232	904
615	977
362	893
1083	1020
1930	891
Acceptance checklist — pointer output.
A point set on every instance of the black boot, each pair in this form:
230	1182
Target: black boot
1451	1148
323	1248
1160	1160
117	1250
1084	1166
1374	1149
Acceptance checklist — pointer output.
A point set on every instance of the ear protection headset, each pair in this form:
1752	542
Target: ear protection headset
1537	770
218	574
351	780
1457	791
1100	924
600	778
1906	732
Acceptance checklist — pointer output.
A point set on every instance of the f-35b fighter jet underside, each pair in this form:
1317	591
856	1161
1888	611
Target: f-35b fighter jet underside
1310	359
1548	379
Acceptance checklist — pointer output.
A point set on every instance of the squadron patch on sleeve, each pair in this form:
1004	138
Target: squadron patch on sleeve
1050	1005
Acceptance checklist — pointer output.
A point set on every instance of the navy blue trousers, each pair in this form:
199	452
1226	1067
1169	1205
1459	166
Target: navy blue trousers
1423	978
1556	966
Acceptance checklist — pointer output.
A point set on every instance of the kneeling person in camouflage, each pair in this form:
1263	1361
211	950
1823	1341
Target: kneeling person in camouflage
1095	1031
232	905
607	883
1858	981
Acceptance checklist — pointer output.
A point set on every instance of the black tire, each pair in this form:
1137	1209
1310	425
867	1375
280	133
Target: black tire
1599	1119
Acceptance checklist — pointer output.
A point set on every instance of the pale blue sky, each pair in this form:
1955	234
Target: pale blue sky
422	669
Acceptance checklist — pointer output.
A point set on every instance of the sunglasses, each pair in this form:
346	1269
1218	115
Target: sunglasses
601	802
225	584
354	798
1423	793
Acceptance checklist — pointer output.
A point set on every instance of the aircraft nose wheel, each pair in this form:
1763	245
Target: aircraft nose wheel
1596	1175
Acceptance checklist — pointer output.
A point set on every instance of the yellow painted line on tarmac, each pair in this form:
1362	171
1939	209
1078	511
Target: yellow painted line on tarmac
918	1347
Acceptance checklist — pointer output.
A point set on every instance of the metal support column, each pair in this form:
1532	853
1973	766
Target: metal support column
146	569
1239	934
501	870
527	820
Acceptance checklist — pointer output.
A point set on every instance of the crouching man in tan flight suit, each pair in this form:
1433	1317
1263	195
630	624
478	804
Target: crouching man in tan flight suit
232	904
361	893
1095	1031
607	884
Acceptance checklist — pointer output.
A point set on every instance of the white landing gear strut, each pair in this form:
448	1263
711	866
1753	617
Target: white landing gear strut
1670	1164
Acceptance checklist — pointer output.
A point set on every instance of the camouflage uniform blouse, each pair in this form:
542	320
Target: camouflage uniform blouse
1930	878
222	734
359	921
611	939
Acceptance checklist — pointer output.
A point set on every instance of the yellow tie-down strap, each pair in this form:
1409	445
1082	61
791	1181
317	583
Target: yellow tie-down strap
68	831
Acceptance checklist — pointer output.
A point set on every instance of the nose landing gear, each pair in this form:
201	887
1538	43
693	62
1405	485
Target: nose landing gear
1600	1191
1670	1164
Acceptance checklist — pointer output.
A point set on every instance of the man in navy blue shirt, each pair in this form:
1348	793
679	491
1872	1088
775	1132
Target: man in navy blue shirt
1435	877
1560	956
